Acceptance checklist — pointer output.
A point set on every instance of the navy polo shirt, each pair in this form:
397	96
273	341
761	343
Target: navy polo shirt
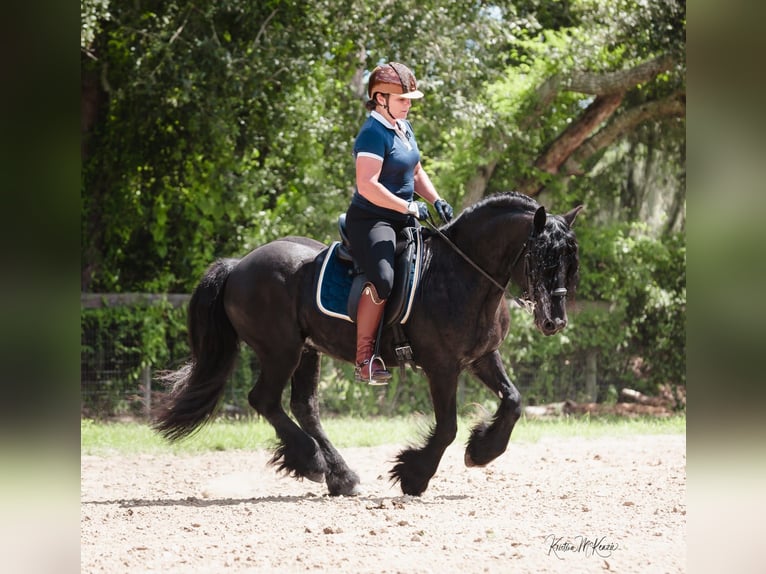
399	156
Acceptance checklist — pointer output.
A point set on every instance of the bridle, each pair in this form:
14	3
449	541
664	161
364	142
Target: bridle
521	302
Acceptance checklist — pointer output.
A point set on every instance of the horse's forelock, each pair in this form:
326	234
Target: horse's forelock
556	242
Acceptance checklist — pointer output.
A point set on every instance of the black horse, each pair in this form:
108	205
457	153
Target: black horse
459	318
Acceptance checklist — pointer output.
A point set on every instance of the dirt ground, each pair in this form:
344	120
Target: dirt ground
563	505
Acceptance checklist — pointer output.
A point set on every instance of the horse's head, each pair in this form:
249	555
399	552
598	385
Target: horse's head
551	268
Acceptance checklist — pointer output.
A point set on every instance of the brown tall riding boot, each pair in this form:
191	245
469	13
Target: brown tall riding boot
369	367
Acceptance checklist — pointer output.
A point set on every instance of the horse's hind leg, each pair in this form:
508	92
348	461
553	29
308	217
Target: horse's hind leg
489	440
416	467
298	454
341	480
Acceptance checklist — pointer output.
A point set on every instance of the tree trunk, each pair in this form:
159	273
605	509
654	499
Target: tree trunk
477	185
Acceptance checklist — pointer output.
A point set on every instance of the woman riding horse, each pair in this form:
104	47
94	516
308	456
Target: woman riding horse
388	173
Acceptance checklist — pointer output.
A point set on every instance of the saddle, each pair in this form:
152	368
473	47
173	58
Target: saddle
339	280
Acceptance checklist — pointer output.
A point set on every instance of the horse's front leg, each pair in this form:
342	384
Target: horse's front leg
489	439
304	404
416	466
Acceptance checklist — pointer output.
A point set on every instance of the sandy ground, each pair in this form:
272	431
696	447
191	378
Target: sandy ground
563	505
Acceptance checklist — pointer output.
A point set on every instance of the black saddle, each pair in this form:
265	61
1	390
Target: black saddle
406	271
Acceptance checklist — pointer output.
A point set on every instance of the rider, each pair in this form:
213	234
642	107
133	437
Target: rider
388	174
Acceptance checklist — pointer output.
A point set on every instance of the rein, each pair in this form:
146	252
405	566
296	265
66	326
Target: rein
473	264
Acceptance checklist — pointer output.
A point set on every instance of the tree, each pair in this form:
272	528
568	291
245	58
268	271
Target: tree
196	124
214	127
572	94
211	128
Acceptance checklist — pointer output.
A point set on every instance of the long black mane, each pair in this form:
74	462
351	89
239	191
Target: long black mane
508	201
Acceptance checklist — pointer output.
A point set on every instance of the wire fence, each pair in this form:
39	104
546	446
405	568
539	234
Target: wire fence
112	382
116	367
128	339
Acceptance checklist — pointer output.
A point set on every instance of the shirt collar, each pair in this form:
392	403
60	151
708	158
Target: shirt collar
383	120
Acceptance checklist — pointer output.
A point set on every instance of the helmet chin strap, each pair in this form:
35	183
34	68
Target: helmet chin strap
385	107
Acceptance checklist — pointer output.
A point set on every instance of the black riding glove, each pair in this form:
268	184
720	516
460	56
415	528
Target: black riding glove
418	209
444	210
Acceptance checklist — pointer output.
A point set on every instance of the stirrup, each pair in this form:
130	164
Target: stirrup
380	379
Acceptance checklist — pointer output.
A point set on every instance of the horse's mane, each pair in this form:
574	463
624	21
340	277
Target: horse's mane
506	200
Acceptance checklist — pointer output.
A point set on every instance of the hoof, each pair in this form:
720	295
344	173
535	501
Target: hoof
352	490
355	491
469	462
343	485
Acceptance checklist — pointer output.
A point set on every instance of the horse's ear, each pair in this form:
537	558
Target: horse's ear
539	222
570	216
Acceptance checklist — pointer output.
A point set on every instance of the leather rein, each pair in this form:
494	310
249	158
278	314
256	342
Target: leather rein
521	302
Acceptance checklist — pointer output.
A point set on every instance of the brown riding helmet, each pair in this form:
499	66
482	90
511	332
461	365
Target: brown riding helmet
393	78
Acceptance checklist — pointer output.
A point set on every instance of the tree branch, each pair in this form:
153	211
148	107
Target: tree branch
263	28
619	81
576	133
575	144
672	106
597	84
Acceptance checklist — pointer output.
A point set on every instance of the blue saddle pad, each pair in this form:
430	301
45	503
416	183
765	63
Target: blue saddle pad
335	280
334	284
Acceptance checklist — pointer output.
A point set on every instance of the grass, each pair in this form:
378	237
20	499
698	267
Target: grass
104	438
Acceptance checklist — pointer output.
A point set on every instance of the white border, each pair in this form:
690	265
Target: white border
321	280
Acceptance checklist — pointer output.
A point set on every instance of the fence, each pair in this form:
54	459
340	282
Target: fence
126	338
115	368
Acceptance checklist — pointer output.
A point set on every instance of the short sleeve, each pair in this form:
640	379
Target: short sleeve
370	144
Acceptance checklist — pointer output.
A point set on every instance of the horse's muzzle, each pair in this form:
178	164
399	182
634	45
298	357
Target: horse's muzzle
551	326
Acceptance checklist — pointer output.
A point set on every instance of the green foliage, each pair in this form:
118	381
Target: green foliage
205	128
340	394
92	12
226	125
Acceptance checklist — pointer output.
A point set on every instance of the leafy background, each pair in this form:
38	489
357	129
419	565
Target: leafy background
214	127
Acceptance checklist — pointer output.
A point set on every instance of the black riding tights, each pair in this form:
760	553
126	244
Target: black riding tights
373	243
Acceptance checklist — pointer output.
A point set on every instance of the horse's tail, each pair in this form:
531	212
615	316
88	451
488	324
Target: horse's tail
197	387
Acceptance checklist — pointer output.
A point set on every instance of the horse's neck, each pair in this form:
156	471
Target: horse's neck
494	243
